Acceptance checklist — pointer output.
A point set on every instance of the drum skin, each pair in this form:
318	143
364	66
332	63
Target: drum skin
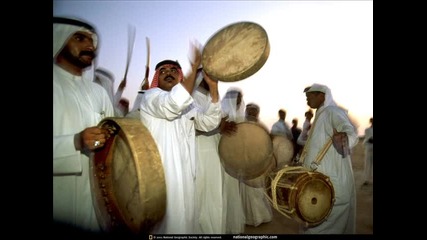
248	153
236	52
259	182
128	180
283	151
302	195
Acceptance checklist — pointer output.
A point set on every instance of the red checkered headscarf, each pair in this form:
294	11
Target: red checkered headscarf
165	63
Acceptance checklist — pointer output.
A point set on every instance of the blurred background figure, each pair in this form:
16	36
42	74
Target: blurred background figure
255	204
281	127
296	131
368	143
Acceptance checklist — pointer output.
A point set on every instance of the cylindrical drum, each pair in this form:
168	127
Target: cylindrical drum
302	195
236	52
128	180
248	153
283	151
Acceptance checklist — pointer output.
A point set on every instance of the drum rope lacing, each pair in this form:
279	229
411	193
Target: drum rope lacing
274	184
315	164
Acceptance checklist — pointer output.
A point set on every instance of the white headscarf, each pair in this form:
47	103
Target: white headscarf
62	32
229	105
329	101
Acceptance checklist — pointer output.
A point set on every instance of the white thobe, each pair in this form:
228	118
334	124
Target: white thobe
78	103
281	128
302	138
209	176
255	204
343	215
172	121
233	205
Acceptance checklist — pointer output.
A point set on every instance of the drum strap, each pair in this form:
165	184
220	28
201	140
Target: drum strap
320	155
315	164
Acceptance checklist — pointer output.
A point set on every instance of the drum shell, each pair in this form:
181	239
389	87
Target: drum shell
305	196
128	180
248	153
236	52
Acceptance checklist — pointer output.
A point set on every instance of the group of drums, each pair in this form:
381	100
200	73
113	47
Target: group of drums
128	178
259	159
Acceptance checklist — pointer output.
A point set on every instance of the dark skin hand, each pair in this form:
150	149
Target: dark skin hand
85	140
228	127
340	142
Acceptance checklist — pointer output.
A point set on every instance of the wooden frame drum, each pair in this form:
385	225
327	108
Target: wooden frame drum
248	153
283	151
128	180
236	52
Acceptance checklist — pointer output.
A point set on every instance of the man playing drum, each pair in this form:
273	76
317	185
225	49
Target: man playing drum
166	110
78	106
332	123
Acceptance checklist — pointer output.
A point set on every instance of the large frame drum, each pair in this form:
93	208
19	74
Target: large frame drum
248	153
236	52
128	180
301	195
283	151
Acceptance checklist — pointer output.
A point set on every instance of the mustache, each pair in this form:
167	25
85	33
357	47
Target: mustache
169	77
89	53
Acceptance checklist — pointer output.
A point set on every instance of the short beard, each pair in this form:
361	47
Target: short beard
75	60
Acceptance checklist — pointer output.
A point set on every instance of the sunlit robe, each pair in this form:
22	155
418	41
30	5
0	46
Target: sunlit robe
339	169
209	176
255	204
172	121
78	103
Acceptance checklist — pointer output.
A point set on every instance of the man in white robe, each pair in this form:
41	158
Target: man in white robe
331	122
209	172
233	112
79	105
106	79
166	110
255	204
281	127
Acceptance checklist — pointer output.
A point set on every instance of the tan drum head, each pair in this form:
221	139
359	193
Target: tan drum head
259	182
283	151
236	52
302	195
128	179
315	198
248	153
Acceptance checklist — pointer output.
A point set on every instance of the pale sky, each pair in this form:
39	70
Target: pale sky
326	42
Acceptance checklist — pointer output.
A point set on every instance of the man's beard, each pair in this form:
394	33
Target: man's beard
77	61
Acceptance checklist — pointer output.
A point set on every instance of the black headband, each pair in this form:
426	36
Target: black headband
176	63
73	22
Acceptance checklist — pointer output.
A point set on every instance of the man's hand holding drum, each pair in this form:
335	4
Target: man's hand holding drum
91	138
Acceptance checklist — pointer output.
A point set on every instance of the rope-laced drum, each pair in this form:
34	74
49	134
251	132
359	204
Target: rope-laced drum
300	194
